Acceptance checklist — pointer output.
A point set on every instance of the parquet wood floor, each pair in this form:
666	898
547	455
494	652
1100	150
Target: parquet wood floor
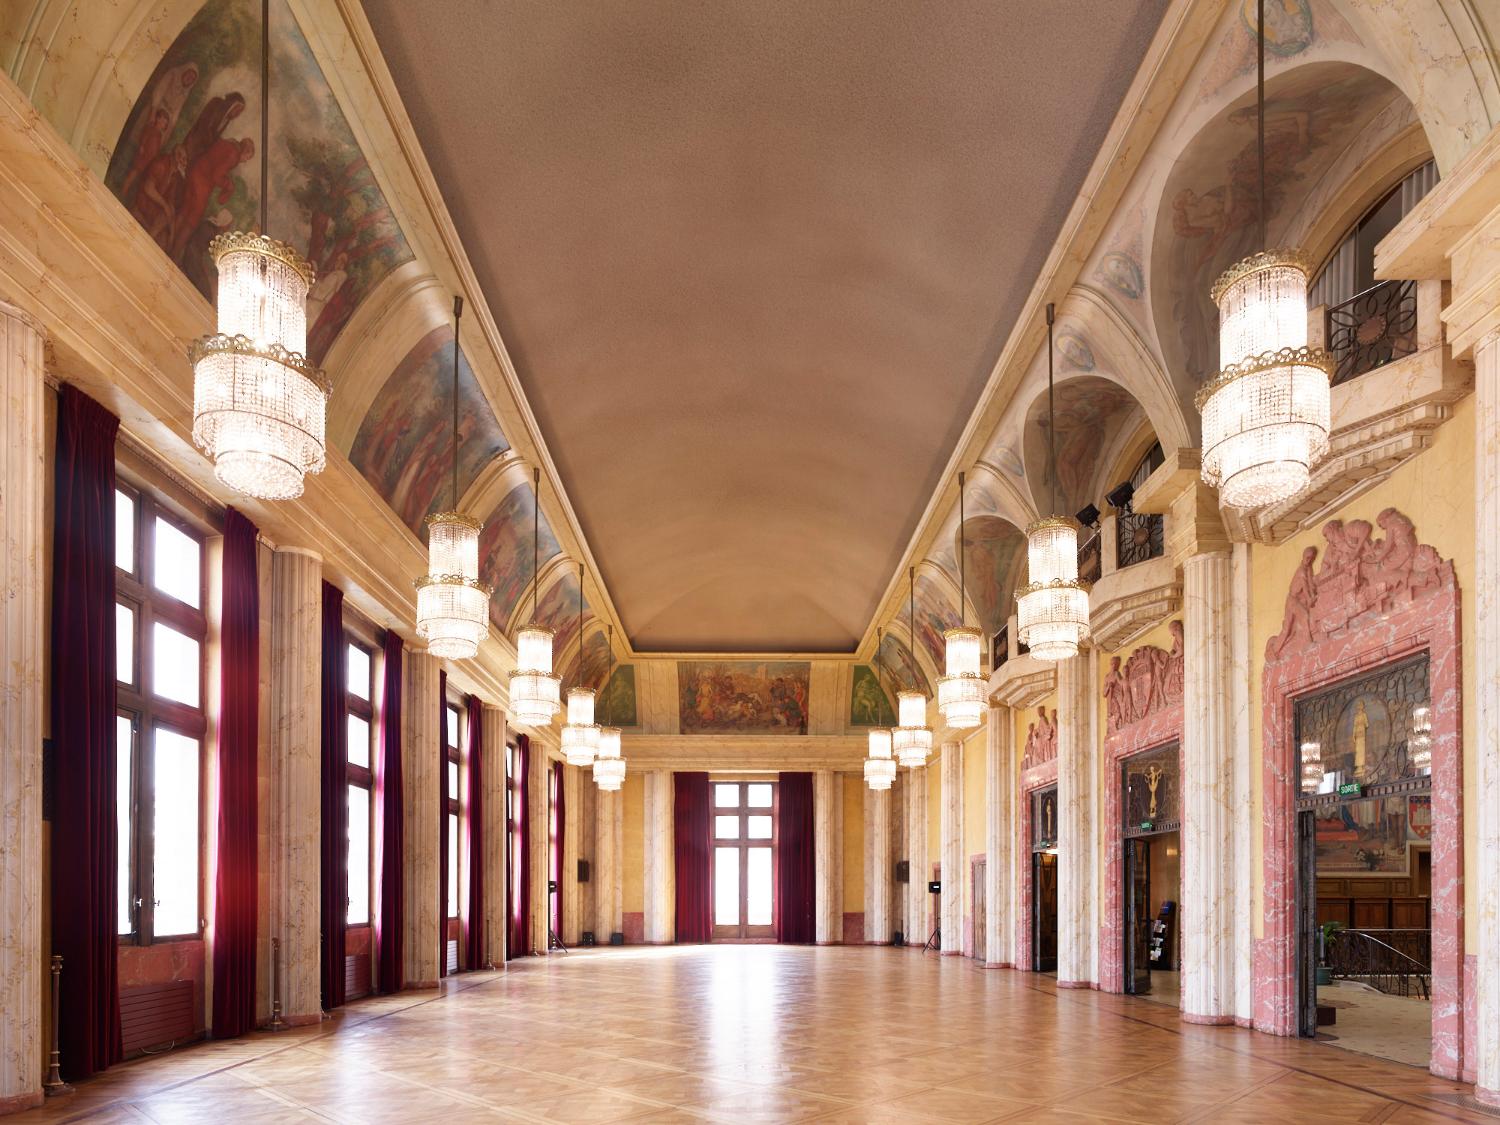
758	1033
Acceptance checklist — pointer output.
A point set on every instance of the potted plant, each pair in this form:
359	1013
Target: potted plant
1325	941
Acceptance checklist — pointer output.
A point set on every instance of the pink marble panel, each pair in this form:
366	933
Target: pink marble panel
854	927
1369	605
1037	777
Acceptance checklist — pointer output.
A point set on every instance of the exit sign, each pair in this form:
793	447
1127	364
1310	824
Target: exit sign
1147	825
1351	789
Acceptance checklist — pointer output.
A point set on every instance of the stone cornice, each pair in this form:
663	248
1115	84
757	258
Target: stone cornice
744	752
1022	681
1130	602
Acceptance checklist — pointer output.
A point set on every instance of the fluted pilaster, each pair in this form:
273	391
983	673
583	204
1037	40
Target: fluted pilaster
1208	891
538	816
1486	661
661	883
1000	871
492	725
22	492
951	817
879	858
421	765
568	885
293	814
918	906
608	847
828	867
1078	824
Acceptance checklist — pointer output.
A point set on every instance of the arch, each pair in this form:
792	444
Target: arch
995	557
505	551
1090	410
902	667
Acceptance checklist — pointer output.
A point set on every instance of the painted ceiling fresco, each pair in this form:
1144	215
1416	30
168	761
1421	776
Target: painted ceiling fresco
1211	210
405	443
743	696
1086	408
558	611
936	614
995	558
901	669
187	168
505	551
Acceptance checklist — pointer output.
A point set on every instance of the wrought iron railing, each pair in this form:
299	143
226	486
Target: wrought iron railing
1396	962
1138	538
1372	328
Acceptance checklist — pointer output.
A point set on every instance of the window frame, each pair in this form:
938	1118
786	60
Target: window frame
148	712
453	807
362	777
742	811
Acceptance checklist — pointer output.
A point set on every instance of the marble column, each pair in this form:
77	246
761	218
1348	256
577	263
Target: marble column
608	847
492	724
1078	823
918	907
22	496
292	814
1242	826
421	776
879	860
584	813
538	816
568	886
1208	810
999	839
661	882
828	866
1486	661
951	835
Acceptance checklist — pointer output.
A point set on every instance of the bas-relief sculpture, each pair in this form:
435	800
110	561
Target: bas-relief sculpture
1041	740
187	168
1361	578
743	697
1151	679
405	443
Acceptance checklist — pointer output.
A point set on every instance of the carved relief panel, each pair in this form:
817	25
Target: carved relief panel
1148	681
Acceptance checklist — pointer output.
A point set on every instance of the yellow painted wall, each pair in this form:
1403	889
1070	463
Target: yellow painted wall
934	812
974	818
1435	490
854	842
633	844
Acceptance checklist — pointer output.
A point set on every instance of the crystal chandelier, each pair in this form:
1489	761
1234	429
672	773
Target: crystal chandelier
535	693
911	741
580	735
1052	609
452	603
880	766
1419	746
1312	766
259	405
609	766
1266	415
961	690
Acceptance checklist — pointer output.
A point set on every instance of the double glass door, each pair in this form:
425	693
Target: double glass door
744	846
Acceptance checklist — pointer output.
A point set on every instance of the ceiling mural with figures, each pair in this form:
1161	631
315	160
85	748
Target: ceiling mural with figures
187	168
995	559
505	551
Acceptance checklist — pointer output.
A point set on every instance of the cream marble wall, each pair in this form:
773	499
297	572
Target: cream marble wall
660	880
496	917
421	780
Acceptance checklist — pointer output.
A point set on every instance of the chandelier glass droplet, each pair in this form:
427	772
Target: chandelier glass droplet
1267	413
535	693
453	605
580	735
880	766
1052	610
911	741
259	405
961	691
609	766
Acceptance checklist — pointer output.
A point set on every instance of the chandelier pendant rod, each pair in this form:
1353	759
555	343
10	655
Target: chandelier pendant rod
458	312
1051	417
911	613
580	626
963	582
265	116
609	675
536	535
1260	116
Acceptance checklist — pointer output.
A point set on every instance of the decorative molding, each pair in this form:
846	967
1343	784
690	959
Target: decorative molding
1022	681
1128	603
744	752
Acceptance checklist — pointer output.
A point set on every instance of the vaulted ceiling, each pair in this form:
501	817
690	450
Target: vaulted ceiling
753	263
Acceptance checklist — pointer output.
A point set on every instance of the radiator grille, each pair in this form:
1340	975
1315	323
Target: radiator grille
155	1015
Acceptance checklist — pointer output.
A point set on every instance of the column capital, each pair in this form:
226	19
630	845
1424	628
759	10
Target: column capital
1176	490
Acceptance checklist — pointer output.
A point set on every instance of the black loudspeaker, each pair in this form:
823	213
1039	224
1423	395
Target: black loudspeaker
617	938
934	887
583	871
551	886
898	938
903	871
586	939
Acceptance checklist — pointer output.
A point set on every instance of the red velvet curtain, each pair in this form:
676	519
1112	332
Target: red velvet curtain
236	910
474	954
443	857
692	819
84	875
390	831
795	859
335	795
559	831
520	866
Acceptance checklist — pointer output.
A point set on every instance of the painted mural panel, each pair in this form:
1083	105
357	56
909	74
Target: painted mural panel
558	611
505	551
935	616
405	444
743	696
869	705
187	168
1086	409
902	666
617	700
